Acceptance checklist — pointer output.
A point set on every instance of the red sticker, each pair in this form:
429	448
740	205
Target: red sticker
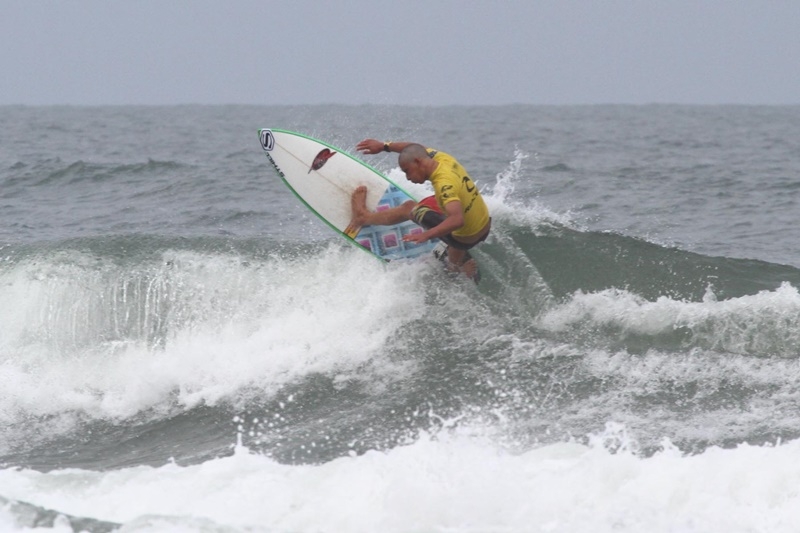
321	159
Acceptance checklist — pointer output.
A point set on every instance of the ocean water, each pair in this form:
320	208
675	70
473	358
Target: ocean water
184	347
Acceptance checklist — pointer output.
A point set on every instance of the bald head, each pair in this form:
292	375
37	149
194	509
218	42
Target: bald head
411	153
417	164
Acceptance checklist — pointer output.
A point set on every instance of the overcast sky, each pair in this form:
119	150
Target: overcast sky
422	52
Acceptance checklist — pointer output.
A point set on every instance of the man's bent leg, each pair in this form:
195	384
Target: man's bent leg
456	251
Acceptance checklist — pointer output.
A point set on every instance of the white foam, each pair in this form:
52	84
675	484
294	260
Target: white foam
763	323
457	483
230	327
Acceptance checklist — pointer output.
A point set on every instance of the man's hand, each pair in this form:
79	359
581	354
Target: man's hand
370	146
416	238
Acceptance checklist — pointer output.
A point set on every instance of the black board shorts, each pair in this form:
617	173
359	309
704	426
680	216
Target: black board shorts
428	218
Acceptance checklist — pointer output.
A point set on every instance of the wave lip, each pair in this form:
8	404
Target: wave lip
762	325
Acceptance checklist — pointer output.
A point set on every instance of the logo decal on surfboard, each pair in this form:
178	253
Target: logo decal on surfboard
267	140
321	159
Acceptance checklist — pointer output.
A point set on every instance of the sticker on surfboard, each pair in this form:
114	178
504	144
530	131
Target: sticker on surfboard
321	159
267	140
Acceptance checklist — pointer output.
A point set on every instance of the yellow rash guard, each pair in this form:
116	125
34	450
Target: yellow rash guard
451	182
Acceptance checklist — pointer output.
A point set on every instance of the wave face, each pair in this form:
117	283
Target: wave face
177	319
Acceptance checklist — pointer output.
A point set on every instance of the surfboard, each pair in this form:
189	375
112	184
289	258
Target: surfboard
324	177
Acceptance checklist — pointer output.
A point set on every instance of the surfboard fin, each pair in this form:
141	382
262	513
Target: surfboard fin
440	251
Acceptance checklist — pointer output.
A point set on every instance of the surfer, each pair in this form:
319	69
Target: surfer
456	213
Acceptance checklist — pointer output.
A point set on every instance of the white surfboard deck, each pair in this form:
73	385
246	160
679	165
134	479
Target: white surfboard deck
324	177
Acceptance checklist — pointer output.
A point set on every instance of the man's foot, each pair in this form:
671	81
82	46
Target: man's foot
469	268
358	207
